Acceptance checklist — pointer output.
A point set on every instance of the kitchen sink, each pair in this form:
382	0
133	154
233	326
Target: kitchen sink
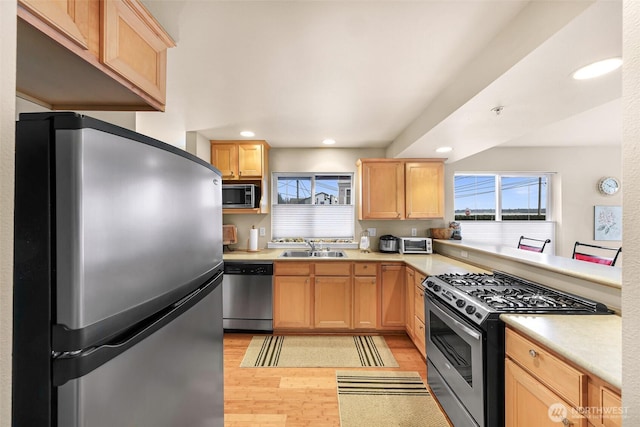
312	254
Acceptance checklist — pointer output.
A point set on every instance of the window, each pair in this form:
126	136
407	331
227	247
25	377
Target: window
501	197
312	206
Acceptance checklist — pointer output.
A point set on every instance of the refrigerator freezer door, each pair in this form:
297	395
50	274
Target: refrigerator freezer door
173	378
137	227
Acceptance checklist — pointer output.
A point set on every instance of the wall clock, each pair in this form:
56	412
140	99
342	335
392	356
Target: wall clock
608	185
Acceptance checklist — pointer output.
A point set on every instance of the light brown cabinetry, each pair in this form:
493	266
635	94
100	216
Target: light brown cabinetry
419	320
392	297
409	310
332	295
401	188
365	295
292	298
542	389
91	55
243	162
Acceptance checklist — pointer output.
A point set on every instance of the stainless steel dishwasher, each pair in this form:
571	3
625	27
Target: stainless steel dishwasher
247	295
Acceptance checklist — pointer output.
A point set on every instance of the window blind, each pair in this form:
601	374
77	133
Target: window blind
312	221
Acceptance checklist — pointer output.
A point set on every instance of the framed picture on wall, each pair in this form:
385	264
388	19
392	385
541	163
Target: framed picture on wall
607	223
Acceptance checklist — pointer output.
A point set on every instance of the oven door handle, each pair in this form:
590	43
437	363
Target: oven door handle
463	327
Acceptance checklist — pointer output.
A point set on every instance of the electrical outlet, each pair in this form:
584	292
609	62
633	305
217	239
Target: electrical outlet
263	231
414	232
464	254
372	232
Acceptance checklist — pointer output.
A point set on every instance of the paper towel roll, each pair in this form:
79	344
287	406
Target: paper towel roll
253	239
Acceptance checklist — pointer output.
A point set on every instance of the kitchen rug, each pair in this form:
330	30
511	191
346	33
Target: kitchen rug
386	399
318	351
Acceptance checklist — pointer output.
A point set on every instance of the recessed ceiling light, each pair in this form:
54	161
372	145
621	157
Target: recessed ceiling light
329	141
597	68
443	149
247	133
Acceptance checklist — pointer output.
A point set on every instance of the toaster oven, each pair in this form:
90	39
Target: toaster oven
415	245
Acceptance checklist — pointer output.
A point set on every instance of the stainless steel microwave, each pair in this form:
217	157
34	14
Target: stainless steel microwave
240	196
415	245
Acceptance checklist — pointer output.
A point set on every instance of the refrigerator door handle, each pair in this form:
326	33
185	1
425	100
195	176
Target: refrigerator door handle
70	365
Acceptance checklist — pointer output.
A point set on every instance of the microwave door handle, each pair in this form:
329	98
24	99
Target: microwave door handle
463	327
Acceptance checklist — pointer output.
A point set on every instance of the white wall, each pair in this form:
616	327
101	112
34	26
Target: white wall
198	145
7	144
631	178
577	169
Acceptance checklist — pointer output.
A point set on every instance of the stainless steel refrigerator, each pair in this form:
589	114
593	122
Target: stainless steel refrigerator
118	271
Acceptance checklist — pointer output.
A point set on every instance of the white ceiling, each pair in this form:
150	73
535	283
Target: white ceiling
405	75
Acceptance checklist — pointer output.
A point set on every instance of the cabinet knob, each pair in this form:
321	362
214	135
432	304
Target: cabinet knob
533	353
240	173
231	173
566	422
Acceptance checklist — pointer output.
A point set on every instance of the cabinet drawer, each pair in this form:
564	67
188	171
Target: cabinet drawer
292	268
365	269
562	378
418	302
611	413
333	268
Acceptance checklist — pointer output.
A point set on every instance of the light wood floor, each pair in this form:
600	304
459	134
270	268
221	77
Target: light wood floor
292	397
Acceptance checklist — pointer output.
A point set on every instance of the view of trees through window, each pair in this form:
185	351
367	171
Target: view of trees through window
491	197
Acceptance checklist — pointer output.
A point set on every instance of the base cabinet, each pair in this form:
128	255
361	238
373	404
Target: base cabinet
332	302
530	404
392	297
292	298
409	309
542	389
365	296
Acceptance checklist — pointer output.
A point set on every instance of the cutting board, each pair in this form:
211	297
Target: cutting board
229	234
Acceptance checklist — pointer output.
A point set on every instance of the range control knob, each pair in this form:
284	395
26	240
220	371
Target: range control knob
429	284
470	309
460	303
437	288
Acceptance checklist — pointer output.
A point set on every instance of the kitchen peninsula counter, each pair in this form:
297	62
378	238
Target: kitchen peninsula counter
591	342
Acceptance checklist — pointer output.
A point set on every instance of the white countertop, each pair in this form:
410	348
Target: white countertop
431	264
597	273
592	342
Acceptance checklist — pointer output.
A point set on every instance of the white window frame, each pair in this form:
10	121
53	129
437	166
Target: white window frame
498	191
321	228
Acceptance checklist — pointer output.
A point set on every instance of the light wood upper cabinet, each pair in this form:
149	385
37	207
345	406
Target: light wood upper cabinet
424	192
69	17
401	188
134	47
240	159
381	189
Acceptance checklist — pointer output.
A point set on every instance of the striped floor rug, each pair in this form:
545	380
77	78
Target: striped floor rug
318	351
386	399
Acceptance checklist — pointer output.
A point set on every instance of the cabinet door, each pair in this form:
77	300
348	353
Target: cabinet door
530	404
132	46
409	300
292	302
392	301
420	338
382	195
365	302
424	192
70	18
611	408
332	302
249	160
225	158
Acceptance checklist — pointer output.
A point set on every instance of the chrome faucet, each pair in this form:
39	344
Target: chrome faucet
311	244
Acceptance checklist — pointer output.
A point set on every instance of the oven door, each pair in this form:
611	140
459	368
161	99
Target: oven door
455	359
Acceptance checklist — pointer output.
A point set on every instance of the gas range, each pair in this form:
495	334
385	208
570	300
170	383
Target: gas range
477	296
